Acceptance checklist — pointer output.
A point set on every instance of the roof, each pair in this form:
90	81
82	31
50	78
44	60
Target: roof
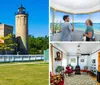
76	6
5	24
21	7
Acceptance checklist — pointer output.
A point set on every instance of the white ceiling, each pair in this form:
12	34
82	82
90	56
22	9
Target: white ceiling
71	48
76	6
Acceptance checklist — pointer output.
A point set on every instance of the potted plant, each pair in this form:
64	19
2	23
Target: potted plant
58	27
60	69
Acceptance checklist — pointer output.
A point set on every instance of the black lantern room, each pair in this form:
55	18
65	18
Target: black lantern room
21	10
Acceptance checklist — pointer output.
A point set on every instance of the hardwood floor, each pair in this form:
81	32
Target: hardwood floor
95	79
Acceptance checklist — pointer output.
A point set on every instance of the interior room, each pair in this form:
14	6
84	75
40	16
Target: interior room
74	64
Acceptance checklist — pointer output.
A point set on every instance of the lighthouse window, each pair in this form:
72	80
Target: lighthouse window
24	20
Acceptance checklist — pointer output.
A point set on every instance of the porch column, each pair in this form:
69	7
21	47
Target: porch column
73	20
53	20
89	15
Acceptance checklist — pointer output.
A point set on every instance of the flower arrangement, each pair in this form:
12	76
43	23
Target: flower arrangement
56	79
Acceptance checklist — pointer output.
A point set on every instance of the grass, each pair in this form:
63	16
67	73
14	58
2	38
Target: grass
24	74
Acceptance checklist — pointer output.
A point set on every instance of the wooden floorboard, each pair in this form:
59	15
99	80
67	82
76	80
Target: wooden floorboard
95	79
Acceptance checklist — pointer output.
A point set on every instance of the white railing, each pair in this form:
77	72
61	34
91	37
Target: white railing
19	58
77	35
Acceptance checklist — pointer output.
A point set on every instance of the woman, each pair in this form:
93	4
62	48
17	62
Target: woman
89	33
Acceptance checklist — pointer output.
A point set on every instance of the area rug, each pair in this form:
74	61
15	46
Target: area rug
79	80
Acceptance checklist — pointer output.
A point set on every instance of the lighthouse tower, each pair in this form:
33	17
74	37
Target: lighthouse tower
21	22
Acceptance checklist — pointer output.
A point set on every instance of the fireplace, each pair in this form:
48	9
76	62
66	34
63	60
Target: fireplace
77	68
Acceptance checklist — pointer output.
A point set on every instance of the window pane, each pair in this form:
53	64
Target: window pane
79	21
95	17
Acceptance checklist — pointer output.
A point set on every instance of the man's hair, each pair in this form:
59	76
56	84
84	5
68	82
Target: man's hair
90	21
65	17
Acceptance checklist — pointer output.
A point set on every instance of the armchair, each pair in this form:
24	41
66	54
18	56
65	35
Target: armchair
85	69
68	70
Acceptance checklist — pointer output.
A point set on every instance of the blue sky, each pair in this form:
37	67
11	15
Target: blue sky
38	14
95	17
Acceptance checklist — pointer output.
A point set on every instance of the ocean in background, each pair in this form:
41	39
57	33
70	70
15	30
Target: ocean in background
82	26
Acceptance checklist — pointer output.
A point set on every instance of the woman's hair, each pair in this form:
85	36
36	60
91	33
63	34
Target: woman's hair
90	22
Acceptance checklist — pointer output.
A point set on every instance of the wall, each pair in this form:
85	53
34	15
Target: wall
95	56
56	63
92	65
64	60
46	55
82	64
55	37
69	61
76	36
22	32
89	62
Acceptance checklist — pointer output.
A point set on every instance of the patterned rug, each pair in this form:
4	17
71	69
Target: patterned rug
79	80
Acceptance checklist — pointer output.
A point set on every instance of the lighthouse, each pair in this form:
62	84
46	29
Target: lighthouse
21	23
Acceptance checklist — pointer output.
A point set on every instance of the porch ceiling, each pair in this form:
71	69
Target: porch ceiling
76	6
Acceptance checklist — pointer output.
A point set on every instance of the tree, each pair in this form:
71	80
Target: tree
8	44
38	45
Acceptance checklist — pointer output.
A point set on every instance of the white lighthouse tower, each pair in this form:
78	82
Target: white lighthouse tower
21	22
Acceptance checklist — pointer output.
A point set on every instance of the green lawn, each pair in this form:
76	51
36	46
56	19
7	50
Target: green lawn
24	74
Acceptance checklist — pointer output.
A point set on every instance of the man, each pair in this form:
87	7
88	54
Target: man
66	34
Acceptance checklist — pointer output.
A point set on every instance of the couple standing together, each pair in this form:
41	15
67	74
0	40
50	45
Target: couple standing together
67	29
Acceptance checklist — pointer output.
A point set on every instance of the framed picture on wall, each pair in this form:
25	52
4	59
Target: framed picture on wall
58	56
93	61
82	60
73	60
